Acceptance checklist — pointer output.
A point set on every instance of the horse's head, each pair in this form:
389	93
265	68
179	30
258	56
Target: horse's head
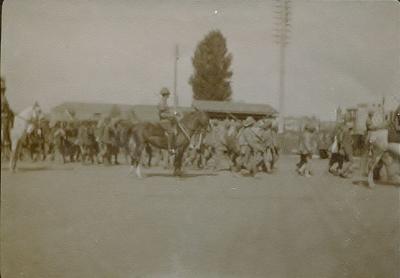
202	119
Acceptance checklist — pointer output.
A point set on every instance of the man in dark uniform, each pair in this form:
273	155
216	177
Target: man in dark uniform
168	119
7	118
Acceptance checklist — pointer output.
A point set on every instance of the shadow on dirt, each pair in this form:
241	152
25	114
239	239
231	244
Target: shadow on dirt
38	168
185	175
365	183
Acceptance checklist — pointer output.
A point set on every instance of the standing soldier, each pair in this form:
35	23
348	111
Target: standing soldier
347	150
83	139
7	119
267	137
168	119
368	151
60	139
216	141
307	147
275	141
115	139
107	140
249	146
93	144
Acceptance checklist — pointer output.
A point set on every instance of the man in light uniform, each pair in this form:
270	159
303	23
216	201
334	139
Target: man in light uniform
267	137
250	146
168	119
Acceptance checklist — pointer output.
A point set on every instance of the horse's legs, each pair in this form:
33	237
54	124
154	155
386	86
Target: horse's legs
136	157
116	153
126	153
63	151
43	151
14	155
150	155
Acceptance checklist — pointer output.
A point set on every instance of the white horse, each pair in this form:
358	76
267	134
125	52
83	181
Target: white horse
380	144
24	124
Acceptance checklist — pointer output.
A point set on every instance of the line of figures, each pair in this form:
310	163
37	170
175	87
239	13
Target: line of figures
378	149
247	146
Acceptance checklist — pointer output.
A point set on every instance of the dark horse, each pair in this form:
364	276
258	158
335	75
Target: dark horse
146	133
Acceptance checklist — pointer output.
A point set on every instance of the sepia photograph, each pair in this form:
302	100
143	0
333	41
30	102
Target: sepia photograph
200	138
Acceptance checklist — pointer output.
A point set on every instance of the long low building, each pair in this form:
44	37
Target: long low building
239	110
68	111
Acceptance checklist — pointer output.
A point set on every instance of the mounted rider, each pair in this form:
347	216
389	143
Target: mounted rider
168	119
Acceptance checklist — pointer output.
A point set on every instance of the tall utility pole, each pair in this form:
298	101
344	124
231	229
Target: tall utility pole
176	100
282	11
1	31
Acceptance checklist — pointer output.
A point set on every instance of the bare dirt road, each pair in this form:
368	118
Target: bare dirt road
95	221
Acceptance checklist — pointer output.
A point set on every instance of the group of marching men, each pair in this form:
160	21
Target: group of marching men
249	146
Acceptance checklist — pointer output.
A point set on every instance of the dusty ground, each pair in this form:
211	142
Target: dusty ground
95	221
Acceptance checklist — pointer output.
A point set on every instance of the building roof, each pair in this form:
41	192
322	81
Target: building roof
238	109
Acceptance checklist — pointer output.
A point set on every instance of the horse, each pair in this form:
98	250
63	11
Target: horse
154	134
24	124
381	144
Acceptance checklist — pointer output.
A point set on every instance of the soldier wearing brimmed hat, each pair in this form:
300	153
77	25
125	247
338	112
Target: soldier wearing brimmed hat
250	145
346	149
306	148
167	118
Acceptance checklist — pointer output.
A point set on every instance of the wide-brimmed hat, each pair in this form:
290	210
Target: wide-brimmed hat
249	121
165	92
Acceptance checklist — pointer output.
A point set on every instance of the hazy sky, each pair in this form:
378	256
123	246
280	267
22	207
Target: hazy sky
122	51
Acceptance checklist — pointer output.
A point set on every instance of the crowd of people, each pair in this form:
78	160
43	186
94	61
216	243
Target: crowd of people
74	141
248	146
